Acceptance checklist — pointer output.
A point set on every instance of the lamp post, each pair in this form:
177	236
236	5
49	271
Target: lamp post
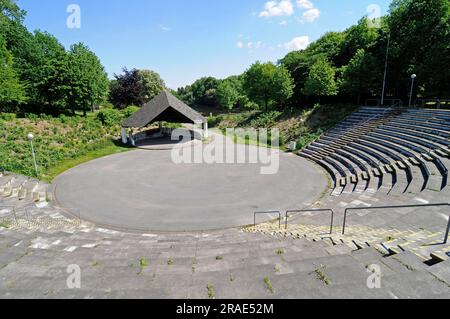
413	77
385	70
30	138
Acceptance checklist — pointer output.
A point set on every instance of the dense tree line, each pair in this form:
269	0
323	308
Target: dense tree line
347	66
418	33
38	75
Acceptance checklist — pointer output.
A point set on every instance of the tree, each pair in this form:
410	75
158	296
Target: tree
126	89
360	36
360	76
135	87
87	82
152	82
11	90
204	91
230	92
266	84
39	68
283	86
420	44
321	80
298	63
186	95
49	78
22	45
329	46
10	10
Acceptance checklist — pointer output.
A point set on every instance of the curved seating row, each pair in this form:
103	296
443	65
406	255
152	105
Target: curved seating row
408	145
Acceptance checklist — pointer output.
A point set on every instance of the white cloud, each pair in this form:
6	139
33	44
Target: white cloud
277	9
305	4
250	45
163	28
255	45
311	15
310	12
298	43
284	22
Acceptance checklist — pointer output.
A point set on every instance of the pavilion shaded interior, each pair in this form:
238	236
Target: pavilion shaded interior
172	116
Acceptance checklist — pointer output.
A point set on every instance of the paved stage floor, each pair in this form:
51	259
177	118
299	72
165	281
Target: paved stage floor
146	191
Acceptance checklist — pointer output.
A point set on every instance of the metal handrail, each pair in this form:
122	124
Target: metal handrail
399	102
329	129
312	210
399	206
267	213
391	108
372	118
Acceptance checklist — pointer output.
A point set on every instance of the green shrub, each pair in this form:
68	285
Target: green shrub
56	140
63	118
266	120
31	116
213	121
110	117
7	116
45	117
172	125
250	105
106	105
306	139
130	110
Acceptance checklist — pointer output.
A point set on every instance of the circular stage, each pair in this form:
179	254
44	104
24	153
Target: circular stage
146	191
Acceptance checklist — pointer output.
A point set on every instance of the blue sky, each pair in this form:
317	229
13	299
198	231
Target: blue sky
184	40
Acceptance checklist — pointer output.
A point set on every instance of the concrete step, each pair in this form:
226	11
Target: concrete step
410	261
441	271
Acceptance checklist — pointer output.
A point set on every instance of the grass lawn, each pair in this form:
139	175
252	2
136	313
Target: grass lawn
245	141
109	148
60	143
300	125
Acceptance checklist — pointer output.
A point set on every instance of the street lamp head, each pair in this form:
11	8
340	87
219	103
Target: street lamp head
413	76
30	137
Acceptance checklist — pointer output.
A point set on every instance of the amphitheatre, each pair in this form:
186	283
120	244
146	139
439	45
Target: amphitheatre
238	150
187	231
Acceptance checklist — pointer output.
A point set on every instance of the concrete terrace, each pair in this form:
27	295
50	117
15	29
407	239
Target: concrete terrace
38	239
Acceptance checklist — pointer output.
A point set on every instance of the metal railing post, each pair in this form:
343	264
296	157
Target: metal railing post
344	222
286	220
447	233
